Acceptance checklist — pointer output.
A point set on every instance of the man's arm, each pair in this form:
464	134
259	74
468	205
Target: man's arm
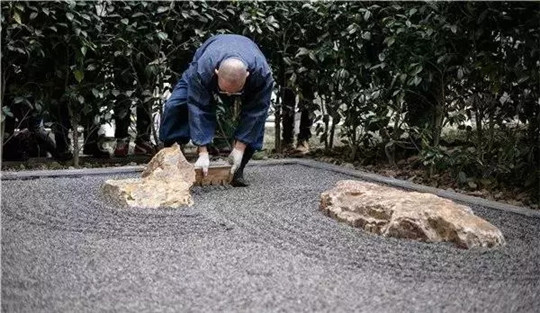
254	113
202	120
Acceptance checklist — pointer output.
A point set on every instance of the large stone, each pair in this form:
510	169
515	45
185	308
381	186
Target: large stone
396	213
164	183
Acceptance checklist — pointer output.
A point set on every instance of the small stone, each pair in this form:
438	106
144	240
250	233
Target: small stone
132	164
348	165
515	202
498	195
259	155
71	168
393	212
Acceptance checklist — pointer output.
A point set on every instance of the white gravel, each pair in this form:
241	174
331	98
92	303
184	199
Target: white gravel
266	248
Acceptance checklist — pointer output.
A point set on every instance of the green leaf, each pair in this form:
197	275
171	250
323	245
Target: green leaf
17	18
95	92
79	75
162	9
389	41
367	15
46	11
83	50
351	29
460	73
162	35
522	79
33	15
403	77
124	21
302	51
7	111
440	59
453	28
137	14
69	16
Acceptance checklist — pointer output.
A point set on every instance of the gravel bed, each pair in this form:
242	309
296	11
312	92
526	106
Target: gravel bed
266	248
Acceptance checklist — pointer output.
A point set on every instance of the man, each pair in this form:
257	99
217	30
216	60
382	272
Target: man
228	66
123	81
305	106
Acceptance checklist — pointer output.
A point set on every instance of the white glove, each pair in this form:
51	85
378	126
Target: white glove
203	162
235	158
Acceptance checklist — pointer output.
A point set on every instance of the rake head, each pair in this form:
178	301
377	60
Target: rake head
218	175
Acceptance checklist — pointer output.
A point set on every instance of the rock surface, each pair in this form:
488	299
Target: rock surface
164	183
396	213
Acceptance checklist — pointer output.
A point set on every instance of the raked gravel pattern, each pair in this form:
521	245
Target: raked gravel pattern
266	248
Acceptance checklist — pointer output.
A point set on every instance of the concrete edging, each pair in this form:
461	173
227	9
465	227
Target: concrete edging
23	175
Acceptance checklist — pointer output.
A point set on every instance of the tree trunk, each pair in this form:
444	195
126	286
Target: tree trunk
332	132
2	130
2	116
438	121
535	132
478	116
326	120
76	148
277	122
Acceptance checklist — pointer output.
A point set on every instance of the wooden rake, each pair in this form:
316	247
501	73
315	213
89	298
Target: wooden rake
218	175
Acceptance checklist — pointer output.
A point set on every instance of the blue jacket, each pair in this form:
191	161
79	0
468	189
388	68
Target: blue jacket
202	85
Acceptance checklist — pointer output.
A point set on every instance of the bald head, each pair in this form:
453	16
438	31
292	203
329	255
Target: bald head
232	74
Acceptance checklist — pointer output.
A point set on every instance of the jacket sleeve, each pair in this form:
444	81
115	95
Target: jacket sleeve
254	113
202	119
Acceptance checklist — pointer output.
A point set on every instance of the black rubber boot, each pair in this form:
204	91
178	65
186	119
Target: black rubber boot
238	177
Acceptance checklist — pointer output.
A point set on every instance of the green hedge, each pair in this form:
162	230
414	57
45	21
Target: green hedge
393	75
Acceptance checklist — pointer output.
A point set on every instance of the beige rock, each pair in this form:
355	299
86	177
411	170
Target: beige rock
164	183
396	213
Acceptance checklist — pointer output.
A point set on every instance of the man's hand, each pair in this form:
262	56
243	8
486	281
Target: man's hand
203	162
235	158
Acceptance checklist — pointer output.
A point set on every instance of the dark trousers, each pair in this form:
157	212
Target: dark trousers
289	110
122	118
